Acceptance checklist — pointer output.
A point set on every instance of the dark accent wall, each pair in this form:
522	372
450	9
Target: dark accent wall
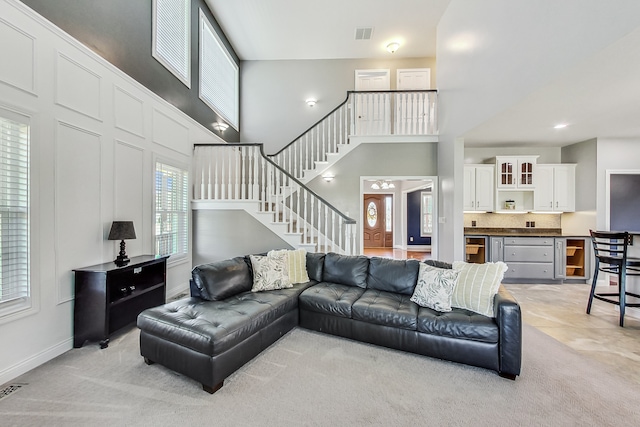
120	32
413	220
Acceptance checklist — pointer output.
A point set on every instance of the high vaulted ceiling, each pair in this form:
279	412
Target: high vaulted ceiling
305	29
598	98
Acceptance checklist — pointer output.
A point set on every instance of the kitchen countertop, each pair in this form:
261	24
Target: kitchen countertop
513	232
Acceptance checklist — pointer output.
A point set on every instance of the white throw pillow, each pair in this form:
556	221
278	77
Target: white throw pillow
270	272
434	287
476	286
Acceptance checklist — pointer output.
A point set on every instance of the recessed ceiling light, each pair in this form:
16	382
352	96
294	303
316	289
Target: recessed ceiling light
560	126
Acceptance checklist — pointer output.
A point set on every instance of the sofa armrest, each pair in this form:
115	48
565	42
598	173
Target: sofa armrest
509	320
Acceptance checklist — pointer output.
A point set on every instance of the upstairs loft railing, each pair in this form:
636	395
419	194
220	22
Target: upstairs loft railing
241	172
370	113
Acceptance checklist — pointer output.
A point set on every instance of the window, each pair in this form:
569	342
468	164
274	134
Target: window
14	214
426	214
388	215
171	37
219	75
171	210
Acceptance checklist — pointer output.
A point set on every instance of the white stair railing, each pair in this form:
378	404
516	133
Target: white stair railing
241	172
369	113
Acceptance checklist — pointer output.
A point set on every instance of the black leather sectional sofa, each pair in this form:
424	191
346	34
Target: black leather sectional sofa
223	324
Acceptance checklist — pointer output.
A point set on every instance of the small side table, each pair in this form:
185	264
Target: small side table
108	297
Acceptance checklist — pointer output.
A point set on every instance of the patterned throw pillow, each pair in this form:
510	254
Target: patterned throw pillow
270	272
434	288
477	285
298	266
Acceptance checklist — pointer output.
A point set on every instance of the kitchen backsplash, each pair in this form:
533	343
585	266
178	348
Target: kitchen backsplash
495	220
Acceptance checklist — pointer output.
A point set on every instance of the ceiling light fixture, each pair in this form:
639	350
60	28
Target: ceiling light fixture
383	185
311	102
220	126
560	126
392	47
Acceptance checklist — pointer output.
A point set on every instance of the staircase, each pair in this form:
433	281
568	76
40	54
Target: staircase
272	188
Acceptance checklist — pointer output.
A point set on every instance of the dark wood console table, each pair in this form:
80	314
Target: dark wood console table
108	297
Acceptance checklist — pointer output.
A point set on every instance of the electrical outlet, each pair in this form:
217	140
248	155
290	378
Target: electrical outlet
473	223
442	220
533	224
411	238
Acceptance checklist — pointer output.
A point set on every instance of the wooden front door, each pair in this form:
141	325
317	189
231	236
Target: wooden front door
377	232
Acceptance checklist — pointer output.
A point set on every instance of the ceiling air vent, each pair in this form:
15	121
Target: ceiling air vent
364	33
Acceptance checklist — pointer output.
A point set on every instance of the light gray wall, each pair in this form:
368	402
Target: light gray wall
583	154
219	235
374	159
274	93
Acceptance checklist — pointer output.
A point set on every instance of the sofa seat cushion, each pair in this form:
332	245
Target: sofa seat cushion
330	298
458	323
213	327
386	308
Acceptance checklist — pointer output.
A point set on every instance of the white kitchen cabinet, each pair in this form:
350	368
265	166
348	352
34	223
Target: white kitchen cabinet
555	188
516	172
479	188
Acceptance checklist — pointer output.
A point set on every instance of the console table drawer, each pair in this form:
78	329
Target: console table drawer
528	241
528	253
530	270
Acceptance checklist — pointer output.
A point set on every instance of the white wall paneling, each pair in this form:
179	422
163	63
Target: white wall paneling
129	195
170	133
128	111
18	52
92	162
77	87
79	229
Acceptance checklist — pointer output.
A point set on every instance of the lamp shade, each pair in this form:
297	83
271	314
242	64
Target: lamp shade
122	230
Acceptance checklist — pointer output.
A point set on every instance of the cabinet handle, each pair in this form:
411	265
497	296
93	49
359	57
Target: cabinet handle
551	204
556	204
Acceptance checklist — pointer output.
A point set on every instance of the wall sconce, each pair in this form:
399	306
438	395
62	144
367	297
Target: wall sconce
392	47
328	177
220	126
311	102
122	230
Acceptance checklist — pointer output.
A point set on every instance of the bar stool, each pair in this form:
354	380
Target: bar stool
610	251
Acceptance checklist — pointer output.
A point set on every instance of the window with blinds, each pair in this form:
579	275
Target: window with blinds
14	213
171	210
171	37
219	75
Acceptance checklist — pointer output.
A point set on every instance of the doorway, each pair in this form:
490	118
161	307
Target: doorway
372	109
377	221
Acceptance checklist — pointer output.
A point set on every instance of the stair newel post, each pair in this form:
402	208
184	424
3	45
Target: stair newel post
255	178
333	231
326	228
266	194
238	171
245	169
312	219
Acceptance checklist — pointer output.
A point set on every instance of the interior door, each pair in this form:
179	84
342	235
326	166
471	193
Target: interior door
377	229
372	109
412	109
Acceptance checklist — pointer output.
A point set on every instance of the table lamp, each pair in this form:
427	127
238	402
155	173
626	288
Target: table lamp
122	230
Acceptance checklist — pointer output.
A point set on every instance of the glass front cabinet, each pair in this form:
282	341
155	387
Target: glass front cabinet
515	172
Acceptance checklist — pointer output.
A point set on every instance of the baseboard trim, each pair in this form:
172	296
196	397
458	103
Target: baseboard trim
34	361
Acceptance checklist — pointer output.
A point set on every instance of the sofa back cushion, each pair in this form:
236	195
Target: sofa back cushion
315	265
348	270
399	276
221	279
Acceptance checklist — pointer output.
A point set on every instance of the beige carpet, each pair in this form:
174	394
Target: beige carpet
309	378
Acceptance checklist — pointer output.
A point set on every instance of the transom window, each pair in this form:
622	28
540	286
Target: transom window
171	44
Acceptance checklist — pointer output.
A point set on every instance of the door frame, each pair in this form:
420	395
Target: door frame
412	183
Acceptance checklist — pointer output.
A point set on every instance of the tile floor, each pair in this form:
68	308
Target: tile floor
559	311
